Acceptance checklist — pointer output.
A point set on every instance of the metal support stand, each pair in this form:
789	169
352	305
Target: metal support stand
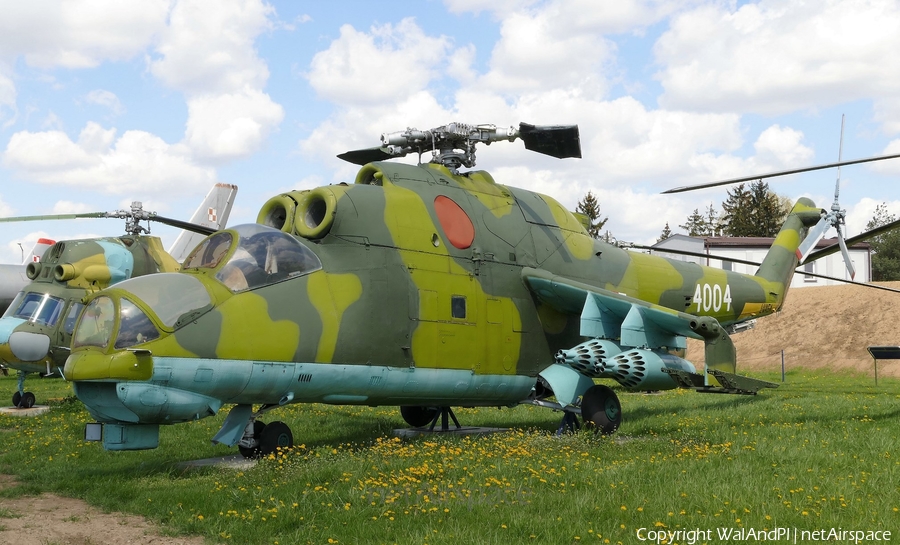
442	414
568	424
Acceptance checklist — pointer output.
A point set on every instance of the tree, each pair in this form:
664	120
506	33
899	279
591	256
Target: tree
753	212
703	225
695	225
666	233
885	247
590	207
713	222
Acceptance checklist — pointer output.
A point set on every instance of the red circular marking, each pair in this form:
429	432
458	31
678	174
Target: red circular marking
456	224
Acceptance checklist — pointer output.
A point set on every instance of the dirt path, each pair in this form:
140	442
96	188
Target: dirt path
51	519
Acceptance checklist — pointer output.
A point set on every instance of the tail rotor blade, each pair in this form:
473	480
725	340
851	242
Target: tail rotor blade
846	254
812	238
560	141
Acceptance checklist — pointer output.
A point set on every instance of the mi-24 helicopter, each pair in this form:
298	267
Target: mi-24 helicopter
419	286
36	329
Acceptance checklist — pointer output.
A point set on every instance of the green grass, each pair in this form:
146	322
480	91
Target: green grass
819	452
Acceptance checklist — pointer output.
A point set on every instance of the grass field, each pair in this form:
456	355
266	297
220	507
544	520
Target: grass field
819	452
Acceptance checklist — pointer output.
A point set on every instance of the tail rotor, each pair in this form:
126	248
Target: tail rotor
835	218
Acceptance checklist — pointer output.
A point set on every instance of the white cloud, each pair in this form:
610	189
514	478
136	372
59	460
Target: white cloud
781	146
536	53
134	163
386	65
71	207
107	99
208	52
777	56
232	125
79	33
209	47
860	213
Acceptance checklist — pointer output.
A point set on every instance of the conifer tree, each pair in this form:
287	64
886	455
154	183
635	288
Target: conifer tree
590	207
666	233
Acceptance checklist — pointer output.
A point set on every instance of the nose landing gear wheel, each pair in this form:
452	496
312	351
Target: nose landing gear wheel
600	409
23	401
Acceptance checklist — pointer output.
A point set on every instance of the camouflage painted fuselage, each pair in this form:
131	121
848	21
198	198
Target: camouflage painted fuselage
432	291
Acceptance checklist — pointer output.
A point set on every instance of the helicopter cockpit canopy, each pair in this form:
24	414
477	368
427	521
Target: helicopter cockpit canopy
36	307
252	255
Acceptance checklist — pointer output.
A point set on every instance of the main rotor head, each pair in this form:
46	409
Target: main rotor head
453	145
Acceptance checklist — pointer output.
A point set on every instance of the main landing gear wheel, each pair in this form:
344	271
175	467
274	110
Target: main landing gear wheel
601	409
23	401
417	416
274	436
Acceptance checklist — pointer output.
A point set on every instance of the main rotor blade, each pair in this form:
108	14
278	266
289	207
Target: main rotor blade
828	250
812	238
560	141
56	217
366	155
780	173
186	225
753	263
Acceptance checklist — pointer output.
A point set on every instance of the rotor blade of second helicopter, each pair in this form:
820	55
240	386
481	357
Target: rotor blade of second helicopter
780	173
56	217
186	225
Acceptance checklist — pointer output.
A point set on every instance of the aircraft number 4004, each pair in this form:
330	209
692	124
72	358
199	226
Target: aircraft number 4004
711	297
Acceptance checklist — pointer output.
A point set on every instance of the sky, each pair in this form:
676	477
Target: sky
105	102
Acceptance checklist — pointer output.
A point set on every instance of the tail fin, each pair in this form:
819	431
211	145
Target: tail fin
778	266
213	212
37	252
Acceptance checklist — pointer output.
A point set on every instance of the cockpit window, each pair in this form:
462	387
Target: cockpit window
134	326
209	253
169	295
96	325
72	317
265	256
40	308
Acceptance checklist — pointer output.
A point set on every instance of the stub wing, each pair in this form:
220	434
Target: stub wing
635	342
